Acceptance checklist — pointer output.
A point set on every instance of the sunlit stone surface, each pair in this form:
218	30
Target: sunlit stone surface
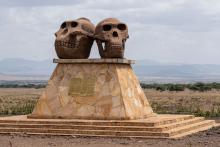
93	90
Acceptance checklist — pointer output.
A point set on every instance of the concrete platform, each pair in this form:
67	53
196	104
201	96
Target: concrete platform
159	126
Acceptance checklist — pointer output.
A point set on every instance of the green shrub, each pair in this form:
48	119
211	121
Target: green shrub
37	86
202	87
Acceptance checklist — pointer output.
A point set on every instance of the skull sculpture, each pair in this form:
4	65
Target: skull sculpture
110	35
74	39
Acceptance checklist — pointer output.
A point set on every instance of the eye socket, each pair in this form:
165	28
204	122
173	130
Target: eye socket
74	24
87	29
121	27
107	27
63	25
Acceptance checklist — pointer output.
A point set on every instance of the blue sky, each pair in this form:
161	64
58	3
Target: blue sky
168	31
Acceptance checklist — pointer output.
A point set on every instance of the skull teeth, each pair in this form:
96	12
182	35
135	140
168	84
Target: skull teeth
106	45
114	46
66	44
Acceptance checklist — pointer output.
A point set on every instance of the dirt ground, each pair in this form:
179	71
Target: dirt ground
161	101
210	138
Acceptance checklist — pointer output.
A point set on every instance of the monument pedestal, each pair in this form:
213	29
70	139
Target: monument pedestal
93	89
99	97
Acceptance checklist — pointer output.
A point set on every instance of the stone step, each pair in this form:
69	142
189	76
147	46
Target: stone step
96	127
170	133
161	126
83	132
147	123
191	127
194	120
192	132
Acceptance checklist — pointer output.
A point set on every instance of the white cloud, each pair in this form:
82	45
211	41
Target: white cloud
164	30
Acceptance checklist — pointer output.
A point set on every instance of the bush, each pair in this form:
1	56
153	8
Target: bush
175	87
37	86
181	87
200	87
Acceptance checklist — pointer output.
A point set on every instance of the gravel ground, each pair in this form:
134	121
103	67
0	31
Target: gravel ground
209	138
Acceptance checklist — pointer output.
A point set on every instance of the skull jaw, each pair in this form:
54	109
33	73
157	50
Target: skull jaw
114	53
110	50
76	50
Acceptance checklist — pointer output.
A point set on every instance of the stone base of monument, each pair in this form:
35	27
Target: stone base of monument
99	97
159	126
93	89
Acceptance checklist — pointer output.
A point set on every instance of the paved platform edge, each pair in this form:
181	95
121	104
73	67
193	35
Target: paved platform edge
94	61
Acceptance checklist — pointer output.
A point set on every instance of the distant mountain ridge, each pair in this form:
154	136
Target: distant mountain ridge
146	70
146	62
17	66
178	73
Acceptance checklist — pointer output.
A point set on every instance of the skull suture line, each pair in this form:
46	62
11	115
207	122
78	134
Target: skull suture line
111	35
74	39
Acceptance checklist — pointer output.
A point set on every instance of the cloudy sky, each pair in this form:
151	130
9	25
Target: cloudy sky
168	31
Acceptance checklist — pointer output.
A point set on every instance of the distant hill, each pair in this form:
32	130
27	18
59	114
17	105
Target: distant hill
178	70
178	73
6	77
146	70
17	66
146	62
21	69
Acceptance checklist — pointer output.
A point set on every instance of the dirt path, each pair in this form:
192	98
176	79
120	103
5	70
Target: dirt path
210	138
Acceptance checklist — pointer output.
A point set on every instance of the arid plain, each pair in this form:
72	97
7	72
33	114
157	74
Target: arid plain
15	101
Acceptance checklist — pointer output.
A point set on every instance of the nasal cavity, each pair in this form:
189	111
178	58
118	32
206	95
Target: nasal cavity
64	32
115	34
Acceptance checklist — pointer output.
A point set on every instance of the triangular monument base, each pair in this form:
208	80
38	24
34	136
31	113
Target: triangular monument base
93	89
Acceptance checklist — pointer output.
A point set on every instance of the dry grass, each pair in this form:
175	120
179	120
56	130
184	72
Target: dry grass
22	100
199	103
18	100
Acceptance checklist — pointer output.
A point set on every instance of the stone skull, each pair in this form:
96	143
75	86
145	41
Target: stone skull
111	35
74	39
